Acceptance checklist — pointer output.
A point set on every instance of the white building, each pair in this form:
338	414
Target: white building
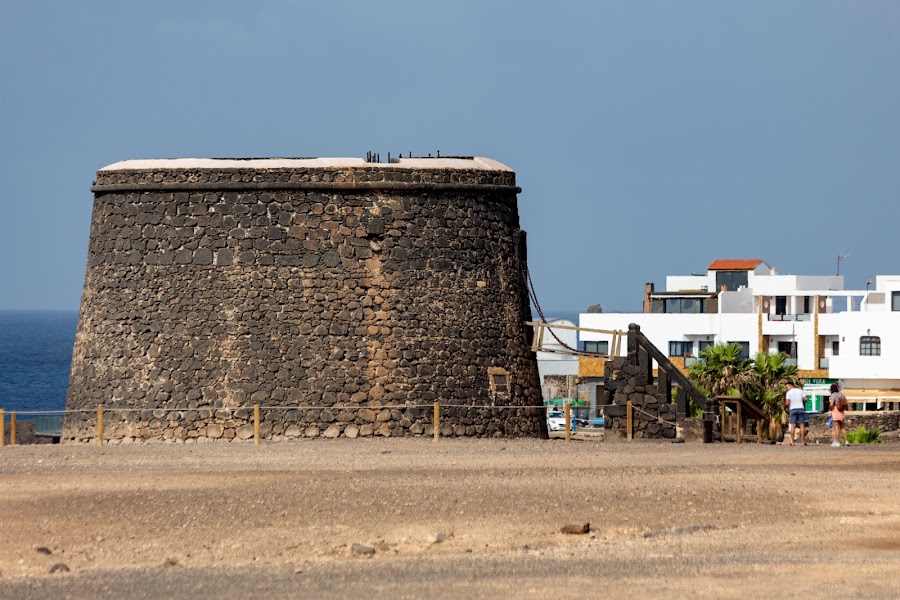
833	334
557	360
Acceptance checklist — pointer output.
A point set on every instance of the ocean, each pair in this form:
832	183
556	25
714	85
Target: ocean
569	315
35	358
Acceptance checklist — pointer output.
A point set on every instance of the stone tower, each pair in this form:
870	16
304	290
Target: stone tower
341	296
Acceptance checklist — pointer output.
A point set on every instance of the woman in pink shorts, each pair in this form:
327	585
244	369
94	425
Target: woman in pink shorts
838	408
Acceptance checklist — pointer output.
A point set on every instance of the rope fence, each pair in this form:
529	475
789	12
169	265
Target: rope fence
630	410
264	407
658	418
255	409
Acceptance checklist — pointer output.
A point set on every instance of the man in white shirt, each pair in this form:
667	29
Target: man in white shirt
795	402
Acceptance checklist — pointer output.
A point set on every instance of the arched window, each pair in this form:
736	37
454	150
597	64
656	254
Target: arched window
870	345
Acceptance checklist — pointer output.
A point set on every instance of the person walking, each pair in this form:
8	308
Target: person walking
795	402
838	408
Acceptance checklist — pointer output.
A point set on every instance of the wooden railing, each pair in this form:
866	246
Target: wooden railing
667	371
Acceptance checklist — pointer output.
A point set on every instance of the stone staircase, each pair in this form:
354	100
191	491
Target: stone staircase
631	378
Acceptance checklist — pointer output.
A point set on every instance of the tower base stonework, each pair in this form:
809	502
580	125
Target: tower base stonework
342	297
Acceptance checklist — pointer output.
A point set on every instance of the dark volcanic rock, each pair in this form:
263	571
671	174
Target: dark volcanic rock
369	289
576	528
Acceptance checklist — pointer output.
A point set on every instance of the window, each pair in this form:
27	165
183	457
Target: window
678	305
789	348
835	348
688	305
684	305
780	305
732	280
703	345
870	345
498	378
806	305
598	347
745	348
681	348
895	300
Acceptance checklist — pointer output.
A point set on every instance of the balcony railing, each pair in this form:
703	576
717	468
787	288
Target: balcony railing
800	317
790	361
823	363
689	360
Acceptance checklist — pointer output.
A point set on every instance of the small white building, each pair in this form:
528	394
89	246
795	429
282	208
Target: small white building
557	361
832	334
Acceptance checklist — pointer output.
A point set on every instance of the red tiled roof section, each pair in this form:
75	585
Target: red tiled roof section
734	264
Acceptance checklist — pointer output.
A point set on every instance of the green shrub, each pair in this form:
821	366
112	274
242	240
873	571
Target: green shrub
861	435
694	409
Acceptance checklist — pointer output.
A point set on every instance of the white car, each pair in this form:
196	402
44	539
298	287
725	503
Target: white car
556	421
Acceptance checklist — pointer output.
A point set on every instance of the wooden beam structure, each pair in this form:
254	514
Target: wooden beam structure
537	345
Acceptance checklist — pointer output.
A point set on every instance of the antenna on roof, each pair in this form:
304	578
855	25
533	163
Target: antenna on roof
841	257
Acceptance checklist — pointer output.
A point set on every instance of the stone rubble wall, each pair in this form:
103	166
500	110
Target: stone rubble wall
561	386
884	421
207	425
627	380
345	298
887	422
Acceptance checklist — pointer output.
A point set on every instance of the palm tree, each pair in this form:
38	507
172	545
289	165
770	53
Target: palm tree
721	370
767	385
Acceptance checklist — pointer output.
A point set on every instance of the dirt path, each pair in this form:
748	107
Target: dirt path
278	520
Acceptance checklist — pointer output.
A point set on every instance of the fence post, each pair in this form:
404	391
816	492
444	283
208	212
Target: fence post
2	427
709	416
723	427
568	422
629	420
256	424
12	428
437	421
99	424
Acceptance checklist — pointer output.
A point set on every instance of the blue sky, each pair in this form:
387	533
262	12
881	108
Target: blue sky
649	137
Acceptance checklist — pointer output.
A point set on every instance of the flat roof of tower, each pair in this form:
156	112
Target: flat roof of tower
474	162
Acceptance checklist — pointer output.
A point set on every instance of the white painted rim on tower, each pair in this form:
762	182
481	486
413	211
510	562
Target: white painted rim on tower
476	163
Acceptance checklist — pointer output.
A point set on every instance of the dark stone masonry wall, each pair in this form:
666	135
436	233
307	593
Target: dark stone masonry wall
653	415
883	421
339	299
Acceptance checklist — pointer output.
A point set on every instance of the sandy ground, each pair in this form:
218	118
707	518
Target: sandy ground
281	520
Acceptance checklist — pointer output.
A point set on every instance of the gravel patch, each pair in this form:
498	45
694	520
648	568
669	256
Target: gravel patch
410	518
